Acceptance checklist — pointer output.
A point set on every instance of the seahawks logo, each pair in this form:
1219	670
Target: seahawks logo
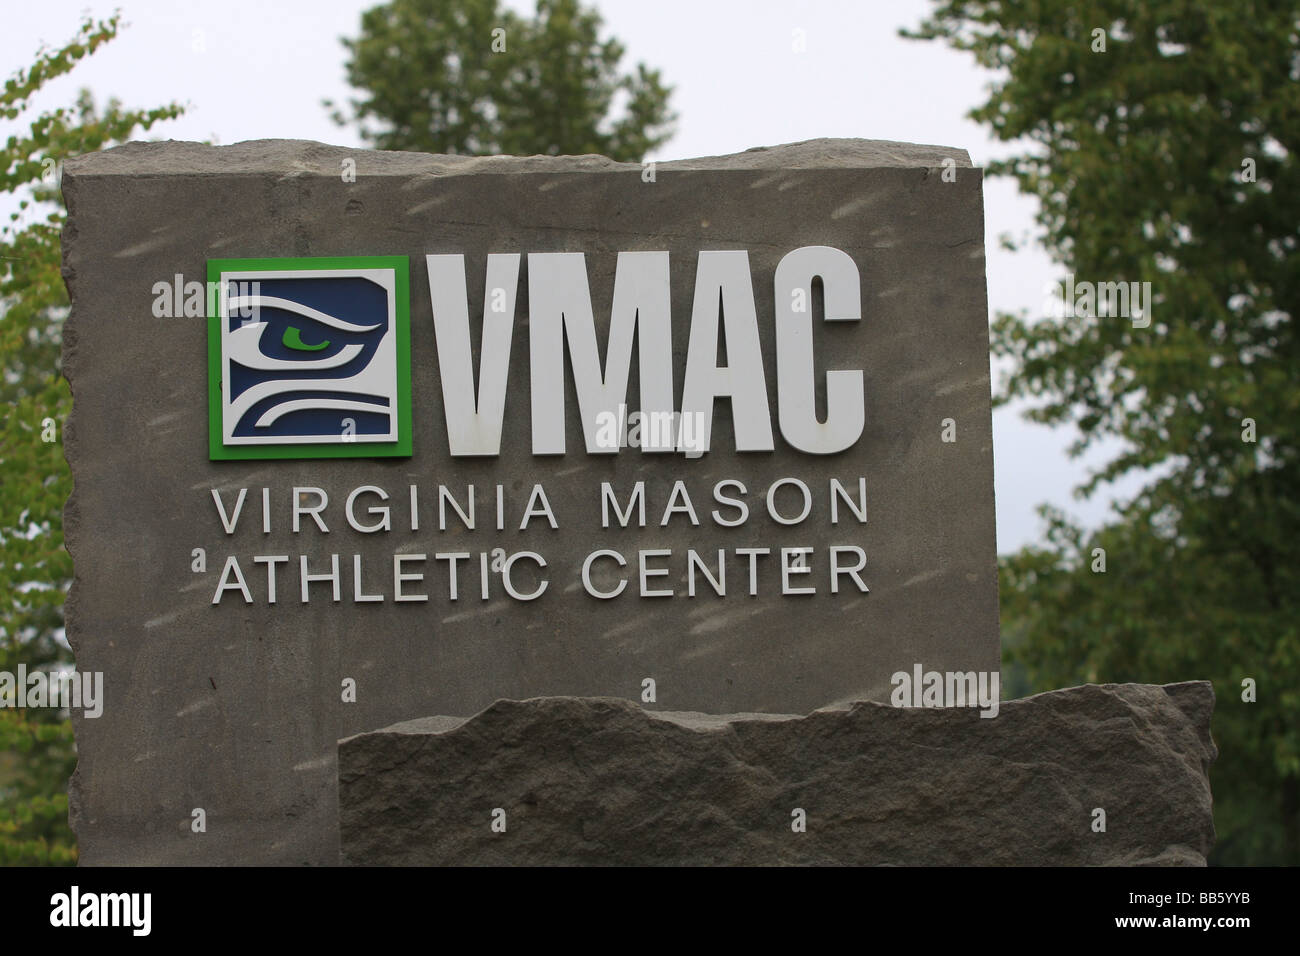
312	358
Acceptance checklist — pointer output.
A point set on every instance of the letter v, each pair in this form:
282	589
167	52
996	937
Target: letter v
229	523
473	427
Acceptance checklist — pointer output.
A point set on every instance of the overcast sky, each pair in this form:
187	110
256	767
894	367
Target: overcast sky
254	69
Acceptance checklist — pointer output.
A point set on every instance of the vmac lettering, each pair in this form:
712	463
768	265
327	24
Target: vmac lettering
353	452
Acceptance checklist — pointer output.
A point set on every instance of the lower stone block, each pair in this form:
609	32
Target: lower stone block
566	780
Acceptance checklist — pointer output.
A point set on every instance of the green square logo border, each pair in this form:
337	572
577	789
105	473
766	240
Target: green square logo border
401	265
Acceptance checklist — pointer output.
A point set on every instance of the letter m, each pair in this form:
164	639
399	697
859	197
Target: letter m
115	909
1108	293
559	311
963	689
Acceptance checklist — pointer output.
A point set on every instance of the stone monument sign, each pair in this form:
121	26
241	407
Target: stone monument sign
364	437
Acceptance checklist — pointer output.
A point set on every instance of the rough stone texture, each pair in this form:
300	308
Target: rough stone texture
236	708
601	781
289	157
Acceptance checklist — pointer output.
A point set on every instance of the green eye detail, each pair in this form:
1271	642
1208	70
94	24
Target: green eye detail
293	340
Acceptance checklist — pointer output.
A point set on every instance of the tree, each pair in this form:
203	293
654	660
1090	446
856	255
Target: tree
36	749
1162	148
469	77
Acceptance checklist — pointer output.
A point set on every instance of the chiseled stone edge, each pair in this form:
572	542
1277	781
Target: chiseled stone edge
291	157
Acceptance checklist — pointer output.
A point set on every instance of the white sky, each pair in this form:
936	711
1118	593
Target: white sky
254	69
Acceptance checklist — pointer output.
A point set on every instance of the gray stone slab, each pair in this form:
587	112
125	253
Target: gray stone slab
236	708
601	781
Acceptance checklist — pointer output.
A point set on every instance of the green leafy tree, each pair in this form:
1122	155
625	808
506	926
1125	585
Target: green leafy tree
473	78
36	747
1162	138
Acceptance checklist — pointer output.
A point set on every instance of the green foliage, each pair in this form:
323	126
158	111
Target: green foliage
36	749
38	755
436	79
1138	158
